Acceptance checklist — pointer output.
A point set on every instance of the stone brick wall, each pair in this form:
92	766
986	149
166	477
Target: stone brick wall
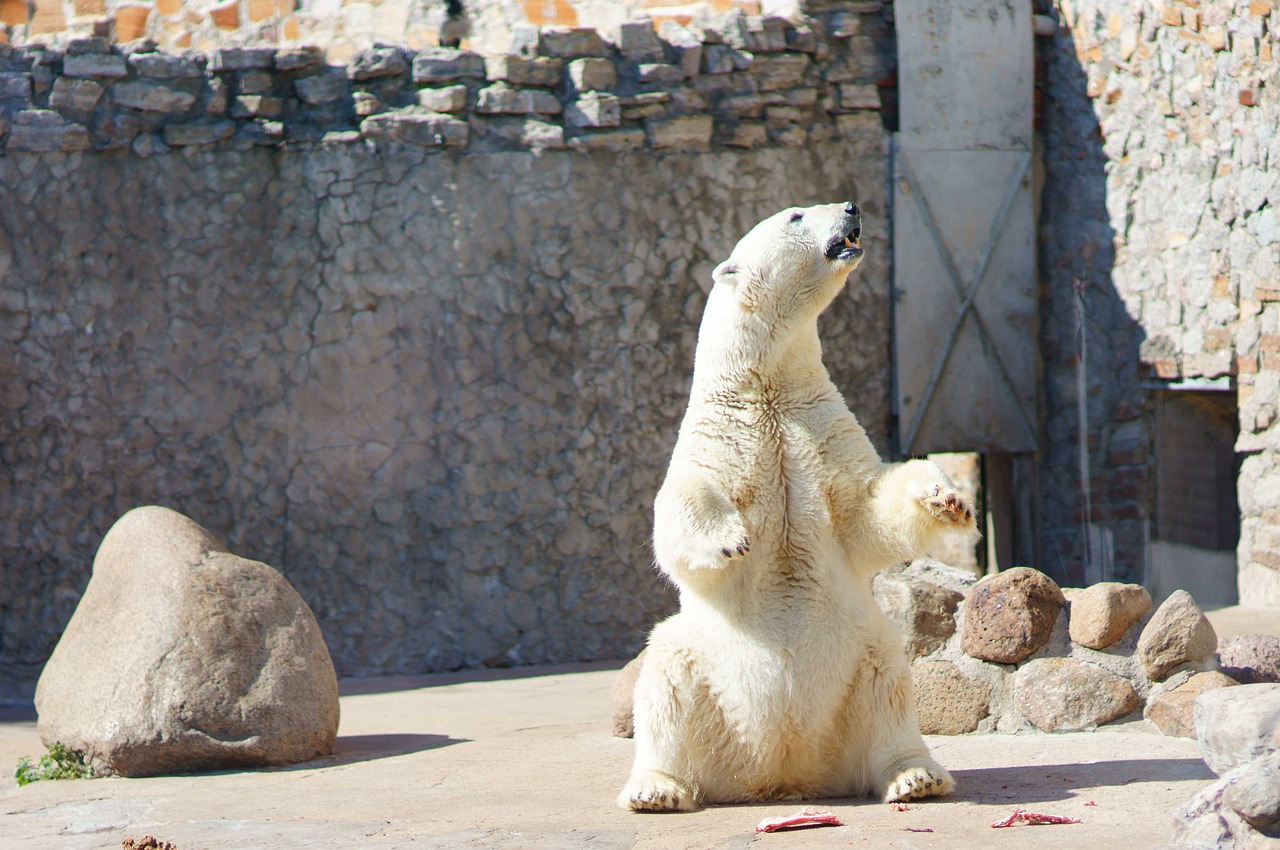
1159	235
428	364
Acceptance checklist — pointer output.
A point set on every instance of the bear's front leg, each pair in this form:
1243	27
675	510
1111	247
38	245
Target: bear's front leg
695	525
913	503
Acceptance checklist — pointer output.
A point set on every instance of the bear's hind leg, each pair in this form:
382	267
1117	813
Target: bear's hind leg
663	698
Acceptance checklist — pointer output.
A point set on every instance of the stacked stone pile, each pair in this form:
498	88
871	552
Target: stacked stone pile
736	81
1014	652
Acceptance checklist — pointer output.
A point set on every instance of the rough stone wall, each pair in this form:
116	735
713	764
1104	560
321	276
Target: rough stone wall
437	386
1159	210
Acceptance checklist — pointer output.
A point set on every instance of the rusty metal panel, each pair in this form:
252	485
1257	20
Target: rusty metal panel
966	310
966	74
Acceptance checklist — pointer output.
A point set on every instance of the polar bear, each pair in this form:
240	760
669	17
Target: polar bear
780	678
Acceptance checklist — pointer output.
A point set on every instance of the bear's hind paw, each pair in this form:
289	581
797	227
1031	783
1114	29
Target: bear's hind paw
657	792
919	780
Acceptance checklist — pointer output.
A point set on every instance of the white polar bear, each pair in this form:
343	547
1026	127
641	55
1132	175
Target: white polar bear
780	678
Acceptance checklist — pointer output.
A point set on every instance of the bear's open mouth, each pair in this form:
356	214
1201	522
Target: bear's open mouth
846	247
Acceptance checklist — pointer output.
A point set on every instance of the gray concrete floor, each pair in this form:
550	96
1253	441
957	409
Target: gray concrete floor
523	758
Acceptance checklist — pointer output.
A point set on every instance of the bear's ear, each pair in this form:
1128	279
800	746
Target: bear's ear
727	274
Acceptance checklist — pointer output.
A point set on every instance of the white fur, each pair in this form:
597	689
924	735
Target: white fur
780	678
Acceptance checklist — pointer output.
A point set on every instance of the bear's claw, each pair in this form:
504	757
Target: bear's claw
737	550
948	506
656	792
921	780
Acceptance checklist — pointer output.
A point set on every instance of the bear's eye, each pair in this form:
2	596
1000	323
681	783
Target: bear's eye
796	216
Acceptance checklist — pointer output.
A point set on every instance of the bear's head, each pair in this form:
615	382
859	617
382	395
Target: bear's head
793	263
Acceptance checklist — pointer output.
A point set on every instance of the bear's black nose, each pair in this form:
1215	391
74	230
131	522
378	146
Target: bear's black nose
852	209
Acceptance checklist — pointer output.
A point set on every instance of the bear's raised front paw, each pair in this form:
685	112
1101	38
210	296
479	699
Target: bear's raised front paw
949	506
737	549
926	779
657	792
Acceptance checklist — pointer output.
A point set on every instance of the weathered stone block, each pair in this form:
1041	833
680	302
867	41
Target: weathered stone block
256	106
853	96
1010	615
45	131
88	44
780	72
522	71
718	59
103	65
504	100
1063	695
683	47
242	58
1102	613
323	88
438	64
426	130
658	73
151	97
163	65
446	99
571	42
1237	725
746	134
299	59
204	133
378	61
947	701
612	140
181	656
1251	659
15	86
1173	712
594	109
256	82
644	105
75	95
687	132
637	42
592	74
1177	633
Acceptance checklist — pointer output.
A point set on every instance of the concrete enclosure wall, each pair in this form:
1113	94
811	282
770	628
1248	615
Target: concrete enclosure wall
437	388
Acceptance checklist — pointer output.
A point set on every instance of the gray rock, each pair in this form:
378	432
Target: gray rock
688	132
925	612
183	135
683	47
1064	695
1101	614
947	701
1255	792
162	65
521	71
427	130
936	572
322	88
108	65
592	75
256	106
44	131
504	100
439	64
299	59
1208	821
1250	659
1178	633
75	95
613	140
594	109
717	59
1010	615
88	44
637	42
446	99
783	71
242	58
1237	725
526	132
15	86
658	73
571	42
182	656
378	61
1173	712
151	97
622	698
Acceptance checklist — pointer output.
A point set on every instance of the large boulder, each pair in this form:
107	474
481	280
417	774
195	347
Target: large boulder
1102	613
1178	633
1064	695
183	657
1241	810
924	611
1173	712
1250	659
1237	725
1010	615
947	701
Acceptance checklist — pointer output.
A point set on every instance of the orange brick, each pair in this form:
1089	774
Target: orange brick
89	7
1217	339
1264	52
226	16
291	30
13	12
1246	365
1267	294
554	13
1269	342
1093	54
131	22
168	7
47	17
260	10
1221	286
1248	97
1171	16
1260	8
1187	35
1166	369
183	41
1270	363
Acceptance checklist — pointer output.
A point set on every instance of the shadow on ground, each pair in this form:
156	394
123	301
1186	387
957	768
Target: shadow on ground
352	749
1048	782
